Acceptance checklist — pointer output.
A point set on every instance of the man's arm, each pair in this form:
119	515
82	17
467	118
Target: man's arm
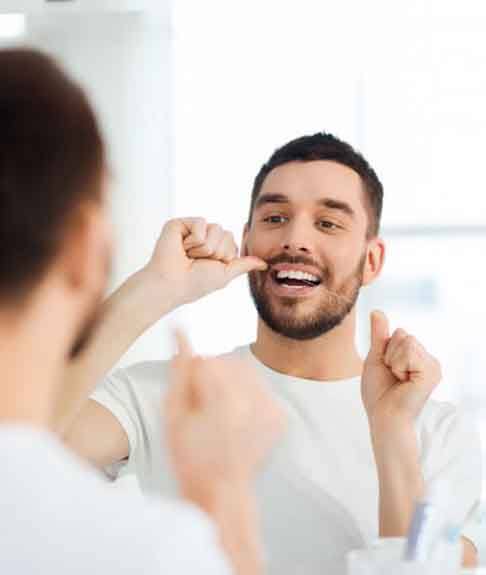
400	479
126	315
398	377
97	436
87	427
221	422
401	483
191	259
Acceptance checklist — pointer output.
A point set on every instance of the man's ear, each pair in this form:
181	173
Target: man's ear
375	258
87	249
244	240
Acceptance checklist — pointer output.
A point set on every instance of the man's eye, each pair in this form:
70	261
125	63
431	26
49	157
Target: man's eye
327	225
275	219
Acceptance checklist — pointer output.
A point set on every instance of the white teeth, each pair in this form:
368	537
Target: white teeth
296	275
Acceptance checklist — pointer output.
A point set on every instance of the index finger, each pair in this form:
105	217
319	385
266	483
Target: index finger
184	347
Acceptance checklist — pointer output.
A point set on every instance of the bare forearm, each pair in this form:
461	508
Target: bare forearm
400	479
401	483
233	509
126	314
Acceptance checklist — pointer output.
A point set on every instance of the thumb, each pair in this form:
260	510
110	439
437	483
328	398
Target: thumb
380	332
183	346
240	266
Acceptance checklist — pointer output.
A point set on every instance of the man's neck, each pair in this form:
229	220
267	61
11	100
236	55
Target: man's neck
31	361
332	356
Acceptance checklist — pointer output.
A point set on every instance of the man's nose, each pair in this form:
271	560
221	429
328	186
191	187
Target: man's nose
296	239
288	247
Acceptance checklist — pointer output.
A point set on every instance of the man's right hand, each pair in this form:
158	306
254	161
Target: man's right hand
193	258
221	422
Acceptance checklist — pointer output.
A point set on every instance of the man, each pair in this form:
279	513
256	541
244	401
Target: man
56	515
365	433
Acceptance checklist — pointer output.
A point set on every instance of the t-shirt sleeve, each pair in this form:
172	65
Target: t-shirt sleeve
133	396
114	394
451	451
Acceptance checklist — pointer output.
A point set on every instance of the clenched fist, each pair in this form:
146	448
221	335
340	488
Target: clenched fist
221	422
193	258
399	374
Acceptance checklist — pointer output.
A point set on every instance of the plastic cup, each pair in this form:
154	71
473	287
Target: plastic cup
385	557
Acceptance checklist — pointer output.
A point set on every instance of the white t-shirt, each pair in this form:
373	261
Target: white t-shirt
326	451
57	516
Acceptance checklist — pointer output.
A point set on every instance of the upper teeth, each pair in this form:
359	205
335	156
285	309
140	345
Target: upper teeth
296	275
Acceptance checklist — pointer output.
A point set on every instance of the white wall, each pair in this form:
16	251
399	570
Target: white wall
123	61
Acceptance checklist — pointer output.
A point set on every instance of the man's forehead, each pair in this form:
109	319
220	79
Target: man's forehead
313	181
310	183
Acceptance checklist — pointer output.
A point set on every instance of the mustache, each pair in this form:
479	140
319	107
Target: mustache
285	258
288	259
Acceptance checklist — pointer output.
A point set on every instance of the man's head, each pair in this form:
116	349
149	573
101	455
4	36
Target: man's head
52	178
314	217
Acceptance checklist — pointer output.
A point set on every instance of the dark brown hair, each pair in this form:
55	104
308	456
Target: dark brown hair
51	160
325	146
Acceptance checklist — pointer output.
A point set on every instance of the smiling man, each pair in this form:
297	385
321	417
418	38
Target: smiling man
316	227
362	434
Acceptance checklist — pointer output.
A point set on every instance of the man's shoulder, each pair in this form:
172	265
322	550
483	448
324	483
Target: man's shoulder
143	372
139	534
155	373
139	382
240	352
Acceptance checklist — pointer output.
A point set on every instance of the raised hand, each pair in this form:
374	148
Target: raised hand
193	258
221	422
399	374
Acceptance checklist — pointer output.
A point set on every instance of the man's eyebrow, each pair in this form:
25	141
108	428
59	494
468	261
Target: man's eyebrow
271	199
337	205
330	203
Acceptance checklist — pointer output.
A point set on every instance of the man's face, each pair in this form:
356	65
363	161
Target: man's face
309	224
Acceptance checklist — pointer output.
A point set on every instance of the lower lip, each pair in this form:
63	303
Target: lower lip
283	290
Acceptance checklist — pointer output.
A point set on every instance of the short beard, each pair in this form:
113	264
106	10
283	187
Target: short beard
85	334
94	317
334	306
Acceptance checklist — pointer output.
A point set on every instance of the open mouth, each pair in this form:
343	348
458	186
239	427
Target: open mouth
295	279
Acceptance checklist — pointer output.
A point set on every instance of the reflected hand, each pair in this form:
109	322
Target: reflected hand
399	374
193	258
221	423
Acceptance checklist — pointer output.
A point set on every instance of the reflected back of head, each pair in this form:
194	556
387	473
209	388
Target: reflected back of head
51	161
